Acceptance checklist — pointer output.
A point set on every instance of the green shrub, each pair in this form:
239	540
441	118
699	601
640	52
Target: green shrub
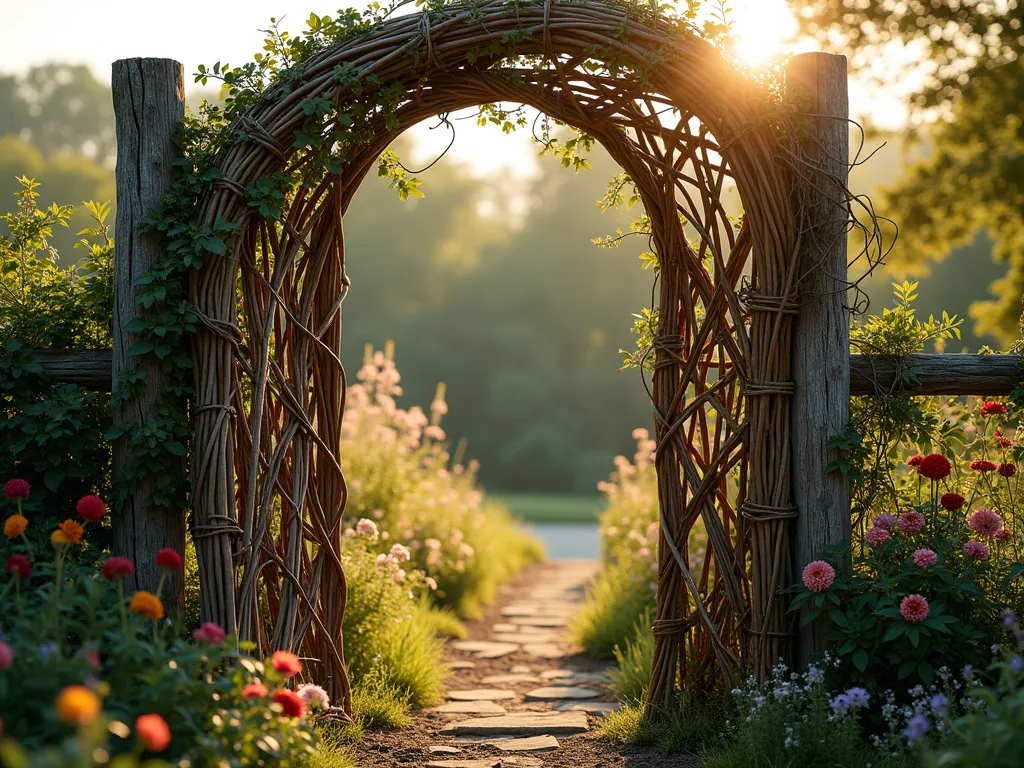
403	478
691	727
609	613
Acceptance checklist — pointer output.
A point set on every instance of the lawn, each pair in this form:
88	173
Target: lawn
552	508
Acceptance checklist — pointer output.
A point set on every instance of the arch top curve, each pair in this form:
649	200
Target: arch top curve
682	123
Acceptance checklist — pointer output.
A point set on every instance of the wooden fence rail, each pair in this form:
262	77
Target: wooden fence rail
992	375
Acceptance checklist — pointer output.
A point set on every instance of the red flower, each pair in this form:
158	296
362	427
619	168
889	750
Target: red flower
17	489
1007	469
91	508
18	565
290	702
915	461
993	408
153	732
935	466
1005	442
254	691
287	663
982	465
951	501
117	568
168	559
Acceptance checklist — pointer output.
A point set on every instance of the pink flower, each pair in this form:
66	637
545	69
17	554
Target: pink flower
884	521
911	522
1004	533
17	488
382	561
644	552
209	633
431	583
399	553
91	508
925	557
377	514
6	655
819	575
914	608
18	565
314	696
640	433
366	527
986	522
976	549
117	567
876	536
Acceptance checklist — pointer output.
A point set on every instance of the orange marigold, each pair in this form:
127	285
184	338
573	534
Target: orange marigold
15	526
72	531
77	704
148	605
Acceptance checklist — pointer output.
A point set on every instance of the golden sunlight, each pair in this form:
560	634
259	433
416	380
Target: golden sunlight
761	29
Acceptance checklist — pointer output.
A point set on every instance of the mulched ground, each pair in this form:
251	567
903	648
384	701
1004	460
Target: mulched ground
409	746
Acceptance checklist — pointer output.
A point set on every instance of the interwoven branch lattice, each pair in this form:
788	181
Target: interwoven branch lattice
269	493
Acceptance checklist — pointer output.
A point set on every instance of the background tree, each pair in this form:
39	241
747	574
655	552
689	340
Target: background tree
971	177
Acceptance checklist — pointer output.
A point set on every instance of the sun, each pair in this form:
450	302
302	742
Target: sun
761	29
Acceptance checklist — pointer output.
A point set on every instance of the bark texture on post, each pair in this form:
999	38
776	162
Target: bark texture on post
821	337
149	106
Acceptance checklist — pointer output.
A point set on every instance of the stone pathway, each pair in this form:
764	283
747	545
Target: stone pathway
520	695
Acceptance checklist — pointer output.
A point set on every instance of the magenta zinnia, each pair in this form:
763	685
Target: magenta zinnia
914	608
818	576
925	557
986	522
884	521
911	522
17	488
876	536
976	549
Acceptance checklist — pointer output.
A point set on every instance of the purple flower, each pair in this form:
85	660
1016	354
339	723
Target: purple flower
938	703
1009	617
1017	665
917	726
857	697
814	674
46	650
968	672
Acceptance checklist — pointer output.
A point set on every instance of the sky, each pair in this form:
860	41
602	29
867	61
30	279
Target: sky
97	32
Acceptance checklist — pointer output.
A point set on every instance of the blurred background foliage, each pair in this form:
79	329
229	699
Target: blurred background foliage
491	285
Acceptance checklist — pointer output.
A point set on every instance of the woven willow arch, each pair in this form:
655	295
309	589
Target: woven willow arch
268	488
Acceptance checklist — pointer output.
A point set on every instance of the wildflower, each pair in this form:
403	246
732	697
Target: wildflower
209	634
982	465
968	672
6	655
290	702
925	557
814	674
938	703
46	650
147	604
858	697
16	488
644	552
993	408
91	508
914	608
432	544
1003	533
431	583
915	461
935	466
876	536
117	568
153	732
287	663
1005	442
1009	617
77	704
1017	665
18	565
399	553
71	531
884	521
976	549
917	726
951	501
254	691
986	522
910	522
314	696
168	559
382	561
1006	469
14	526
818	575
366	527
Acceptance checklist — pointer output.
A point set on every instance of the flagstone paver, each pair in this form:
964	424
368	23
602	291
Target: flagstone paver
471	708
507	679
522	724
481	694
556	693
528	744
590	707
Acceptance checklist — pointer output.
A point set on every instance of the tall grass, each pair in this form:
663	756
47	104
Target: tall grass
633	672
609	614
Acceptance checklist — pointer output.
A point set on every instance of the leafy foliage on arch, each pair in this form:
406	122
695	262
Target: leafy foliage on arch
273	176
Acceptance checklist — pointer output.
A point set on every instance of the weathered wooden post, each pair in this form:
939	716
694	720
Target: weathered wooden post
821	337
149	106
